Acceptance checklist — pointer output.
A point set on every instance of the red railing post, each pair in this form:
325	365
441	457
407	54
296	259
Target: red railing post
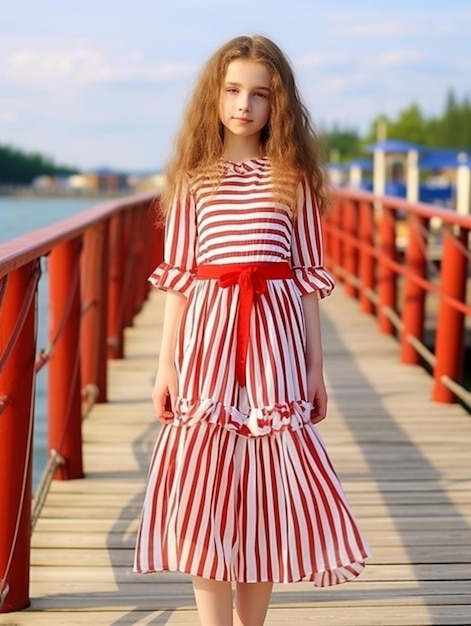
16	433
138	296
350	248
367	259
117	260
335	229
131	233
94	288
150	238
64	393
387	287
449	345
413	312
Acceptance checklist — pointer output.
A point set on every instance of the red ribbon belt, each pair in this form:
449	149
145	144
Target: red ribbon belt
252	280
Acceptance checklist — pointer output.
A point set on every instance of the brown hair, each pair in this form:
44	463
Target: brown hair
289	139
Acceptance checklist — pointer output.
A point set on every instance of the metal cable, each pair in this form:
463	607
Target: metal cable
55	461
129	271
45	354
90	392
460	392
25	307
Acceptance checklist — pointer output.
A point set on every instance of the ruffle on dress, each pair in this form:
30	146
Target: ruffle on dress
166	276
309	279
257	422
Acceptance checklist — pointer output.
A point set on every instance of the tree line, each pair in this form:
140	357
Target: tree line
21	168
450	130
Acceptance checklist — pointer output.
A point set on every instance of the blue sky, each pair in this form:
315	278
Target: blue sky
104	82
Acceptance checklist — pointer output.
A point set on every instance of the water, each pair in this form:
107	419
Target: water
17	217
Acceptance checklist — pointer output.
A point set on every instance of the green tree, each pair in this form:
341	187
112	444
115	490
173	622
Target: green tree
21	168
343	141
409	126
453	128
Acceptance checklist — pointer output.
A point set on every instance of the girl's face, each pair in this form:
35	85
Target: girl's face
244	107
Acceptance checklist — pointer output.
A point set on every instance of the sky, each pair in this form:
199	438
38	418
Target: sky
104	82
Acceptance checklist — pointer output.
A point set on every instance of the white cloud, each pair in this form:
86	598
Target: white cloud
396	58
375	29
37	67
7	116
321	60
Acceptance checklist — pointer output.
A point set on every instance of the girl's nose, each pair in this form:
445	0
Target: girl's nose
244	103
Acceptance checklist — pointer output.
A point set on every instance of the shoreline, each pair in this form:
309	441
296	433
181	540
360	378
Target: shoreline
28	192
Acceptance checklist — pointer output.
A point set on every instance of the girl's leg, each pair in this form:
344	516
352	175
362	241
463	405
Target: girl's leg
251	603
214	601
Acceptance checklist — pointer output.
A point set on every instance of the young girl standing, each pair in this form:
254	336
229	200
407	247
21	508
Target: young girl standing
240	487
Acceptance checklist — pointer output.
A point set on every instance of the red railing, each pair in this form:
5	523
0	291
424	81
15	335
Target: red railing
409	265
97	264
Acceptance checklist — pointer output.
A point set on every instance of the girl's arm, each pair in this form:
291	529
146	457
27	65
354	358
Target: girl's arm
165	385
317	393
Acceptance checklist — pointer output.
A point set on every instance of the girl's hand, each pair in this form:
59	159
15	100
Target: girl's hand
318	394
164	395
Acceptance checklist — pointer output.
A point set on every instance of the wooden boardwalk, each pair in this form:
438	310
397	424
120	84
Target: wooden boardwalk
405	464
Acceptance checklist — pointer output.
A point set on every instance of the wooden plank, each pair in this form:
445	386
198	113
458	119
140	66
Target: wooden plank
147	585
169	599
283	616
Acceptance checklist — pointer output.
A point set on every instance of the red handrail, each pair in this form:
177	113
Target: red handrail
380	248
98	262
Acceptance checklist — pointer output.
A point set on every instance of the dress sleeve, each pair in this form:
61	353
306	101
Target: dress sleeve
307	254
178	269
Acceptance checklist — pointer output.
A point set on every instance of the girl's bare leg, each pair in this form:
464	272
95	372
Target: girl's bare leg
251	603
214	601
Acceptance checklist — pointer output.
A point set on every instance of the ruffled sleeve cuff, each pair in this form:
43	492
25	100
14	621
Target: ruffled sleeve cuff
166	276
309	279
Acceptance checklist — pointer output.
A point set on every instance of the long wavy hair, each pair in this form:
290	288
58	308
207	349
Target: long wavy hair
289	139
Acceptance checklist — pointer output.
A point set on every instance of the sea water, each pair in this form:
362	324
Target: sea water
19	216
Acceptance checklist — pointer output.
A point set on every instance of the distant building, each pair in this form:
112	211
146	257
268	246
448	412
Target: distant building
100	181
104	179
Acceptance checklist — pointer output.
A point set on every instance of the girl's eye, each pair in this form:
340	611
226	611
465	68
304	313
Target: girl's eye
231	90
261	94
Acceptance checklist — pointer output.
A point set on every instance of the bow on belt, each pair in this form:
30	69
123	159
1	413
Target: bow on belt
252	280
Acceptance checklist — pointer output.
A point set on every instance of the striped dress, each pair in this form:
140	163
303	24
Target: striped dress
240	486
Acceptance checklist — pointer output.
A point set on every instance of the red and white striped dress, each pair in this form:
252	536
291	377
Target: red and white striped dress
240	486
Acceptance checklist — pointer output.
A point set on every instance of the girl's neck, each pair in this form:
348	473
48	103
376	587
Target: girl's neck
240	151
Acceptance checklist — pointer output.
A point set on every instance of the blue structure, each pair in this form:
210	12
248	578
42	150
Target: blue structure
435	189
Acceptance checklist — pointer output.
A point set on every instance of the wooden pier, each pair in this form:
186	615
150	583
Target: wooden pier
404	463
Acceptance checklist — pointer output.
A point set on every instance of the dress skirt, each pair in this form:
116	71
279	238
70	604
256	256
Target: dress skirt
232	508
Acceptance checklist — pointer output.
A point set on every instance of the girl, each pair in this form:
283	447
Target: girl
240	487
